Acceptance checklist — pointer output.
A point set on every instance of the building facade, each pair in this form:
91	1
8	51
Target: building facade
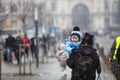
88	14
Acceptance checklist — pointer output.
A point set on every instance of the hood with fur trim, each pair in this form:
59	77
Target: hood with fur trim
77	33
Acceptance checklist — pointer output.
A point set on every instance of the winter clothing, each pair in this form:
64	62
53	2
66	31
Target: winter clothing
33	47
84	50
77	33
73	44
116	47
112	56
27	45
62	57
88	39
26	42
43	44
70	44
10	43
76	28
19	44
76	74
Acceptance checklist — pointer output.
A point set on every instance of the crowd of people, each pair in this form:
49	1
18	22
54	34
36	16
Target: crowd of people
17	47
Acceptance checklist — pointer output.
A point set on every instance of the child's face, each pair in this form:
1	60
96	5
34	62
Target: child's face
74	38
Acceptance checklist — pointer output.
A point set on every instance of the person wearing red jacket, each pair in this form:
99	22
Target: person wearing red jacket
26	42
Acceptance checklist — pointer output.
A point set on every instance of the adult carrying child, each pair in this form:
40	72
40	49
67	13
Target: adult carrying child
84	61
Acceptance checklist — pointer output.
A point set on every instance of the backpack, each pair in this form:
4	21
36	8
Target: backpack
85	64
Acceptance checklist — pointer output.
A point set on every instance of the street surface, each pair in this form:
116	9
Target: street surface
51	70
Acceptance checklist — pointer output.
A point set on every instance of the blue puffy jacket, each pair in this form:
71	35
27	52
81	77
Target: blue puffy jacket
70	45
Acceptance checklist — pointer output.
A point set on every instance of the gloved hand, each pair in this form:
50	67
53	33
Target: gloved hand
74	50
99	70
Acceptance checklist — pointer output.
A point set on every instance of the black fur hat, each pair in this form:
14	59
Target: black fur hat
87	39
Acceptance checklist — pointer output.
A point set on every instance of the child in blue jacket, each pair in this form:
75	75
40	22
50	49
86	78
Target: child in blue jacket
74	40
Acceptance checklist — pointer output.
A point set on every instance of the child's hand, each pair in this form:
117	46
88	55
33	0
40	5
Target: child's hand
109	60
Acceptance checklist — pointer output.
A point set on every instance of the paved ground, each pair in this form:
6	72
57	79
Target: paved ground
46	71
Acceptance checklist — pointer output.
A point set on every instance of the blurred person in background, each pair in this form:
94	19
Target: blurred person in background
27	45
33	47
53	43
62	56
113	59
43	45
10	43
19	44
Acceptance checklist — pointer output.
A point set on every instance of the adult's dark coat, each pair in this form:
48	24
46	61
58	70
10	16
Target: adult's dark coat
71	62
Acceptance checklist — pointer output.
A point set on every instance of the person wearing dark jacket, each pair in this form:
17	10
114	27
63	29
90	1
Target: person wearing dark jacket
85	49
19	44
10	43
44	48
33	47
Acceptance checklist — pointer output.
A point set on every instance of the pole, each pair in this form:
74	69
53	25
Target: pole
0	62
36	30
20	59
24	66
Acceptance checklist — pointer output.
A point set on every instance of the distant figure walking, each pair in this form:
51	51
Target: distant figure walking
114	58
33	47
27	45
19	44
62	57
10	43
43	44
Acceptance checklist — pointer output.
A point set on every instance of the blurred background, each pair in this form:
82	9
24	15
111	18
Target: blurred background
100	17
56	19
